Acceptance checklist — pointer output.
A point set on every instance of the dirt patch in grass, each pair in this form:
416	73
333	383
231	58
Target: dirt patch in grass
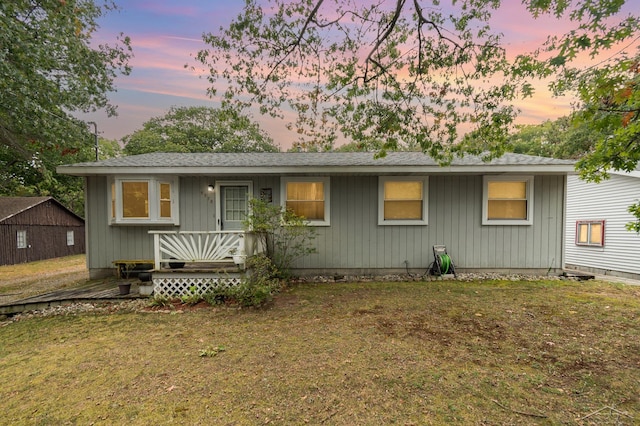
343	354
34	278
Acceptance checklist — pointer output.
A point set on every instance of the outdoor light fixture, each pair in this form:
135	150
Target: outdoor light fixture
211	188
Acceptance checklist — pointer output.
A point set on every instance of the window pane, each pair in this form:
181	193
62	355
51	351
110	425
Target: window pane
311	210
297	191
399	210
506	209
596	234
507	190
583	230
165	200
113	201
235	203
135	199
306	199
70	238
22	239
400	190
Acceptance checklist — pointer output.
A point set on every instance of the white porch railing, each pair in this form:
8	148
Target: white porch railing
198	246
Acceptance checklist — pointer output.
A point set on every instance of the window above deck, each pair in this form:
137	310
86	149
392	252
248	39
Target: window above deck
143	201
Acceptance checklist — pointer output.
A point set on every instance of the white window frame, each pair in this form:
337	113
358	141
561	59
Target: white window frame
154	201
589	223
71	238
21	239
507	178
327	192
425	200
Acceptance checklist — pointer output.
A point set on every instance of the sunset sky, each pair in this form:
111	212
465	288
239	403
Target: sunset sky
166	34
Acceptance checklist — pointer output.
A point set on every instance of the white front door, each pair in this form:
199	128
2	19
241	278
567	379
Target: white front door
233	202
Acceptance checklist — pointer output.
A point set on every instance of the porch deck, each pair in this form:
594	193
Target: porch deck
101	291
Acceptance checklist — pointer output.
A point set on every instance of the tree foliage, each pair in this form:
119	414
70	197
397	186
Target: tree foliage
561	138
49	69
610	106
404	73
199	129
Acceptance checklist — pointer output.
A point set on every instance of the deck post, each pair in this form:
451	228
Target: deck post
156	249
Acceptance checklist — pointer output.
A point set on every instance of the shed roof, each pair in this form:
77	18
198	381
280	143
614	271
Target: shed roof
310	162
11	206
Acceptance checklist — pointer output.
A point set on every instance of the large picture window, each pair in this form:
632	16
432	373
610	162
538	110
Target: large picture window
307	197
141	201
402	200
590	233
507	200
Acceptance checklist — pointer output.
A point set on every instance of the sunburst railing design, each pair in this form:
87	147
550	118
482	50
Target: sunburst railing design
196	246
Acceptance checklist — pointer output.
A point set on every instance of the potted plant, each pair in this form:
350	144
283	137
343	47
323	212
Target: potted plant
124	286
145	287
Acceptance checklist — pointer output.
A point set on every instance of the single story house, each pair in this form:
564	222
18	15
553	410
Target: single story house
373	216
596	235
37	228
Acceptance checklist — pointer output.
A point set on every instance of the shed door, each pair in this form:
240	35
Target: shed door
234	206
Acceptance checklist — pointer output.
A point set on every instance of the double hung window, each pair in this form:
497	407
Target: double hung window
507	200
21	237
307	197
402	200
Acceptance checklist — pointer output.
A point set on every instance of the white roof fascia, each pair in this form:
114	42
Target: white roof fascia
319	170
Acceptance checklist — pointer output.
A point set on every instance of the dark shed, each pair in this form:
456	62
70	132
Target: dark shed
37	228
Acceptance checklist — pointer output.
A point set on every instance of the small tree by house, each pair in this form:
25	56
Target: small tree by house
284	236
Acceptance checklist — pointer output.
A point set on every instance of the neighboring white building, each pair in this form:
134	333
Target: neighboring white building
596	239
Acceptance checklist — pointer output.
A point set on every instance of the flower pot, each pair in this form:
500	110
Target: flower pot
176	265
145	277
124	288
145	289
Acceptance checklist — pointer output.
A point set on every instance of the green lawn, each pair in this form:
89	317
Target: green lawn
499	352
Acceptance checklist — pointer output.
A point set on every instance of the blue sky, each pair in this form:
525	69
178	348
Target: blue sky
166	34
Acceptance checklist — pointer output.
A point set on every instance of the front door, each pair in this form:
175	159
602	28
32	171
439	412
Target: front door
234	205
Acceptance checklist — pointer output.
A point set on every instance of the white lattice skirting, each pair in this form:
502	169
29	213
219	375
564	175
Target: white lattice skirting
173	285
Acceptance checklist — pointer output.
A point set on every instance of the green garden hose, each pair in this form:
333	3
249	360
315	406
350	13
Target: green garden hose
445	263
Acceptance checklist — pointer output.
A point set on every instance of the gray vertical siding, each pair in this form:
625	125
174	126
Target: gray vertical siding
354	240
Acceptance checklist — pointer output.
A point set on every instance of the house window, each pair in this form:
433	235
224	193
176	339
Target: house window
71	238
590	233
402	200
142	201
307	197
507	200
21	239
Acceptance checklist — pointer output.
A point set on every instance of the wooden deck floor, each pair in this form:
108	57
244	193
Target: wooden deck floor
106	290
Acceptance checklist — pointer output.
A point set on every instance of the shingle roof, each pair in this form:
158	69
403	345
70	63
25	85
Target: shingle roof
10	206
301	161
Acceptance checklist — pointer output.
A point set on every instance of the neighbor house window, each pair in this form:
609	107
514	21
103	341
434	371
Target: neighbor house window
22	239
507	200
307	197
402	200
144	201
590	233
70	238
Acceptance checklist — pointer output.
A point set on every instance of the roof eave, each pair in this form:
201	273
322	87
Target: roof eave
320	170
